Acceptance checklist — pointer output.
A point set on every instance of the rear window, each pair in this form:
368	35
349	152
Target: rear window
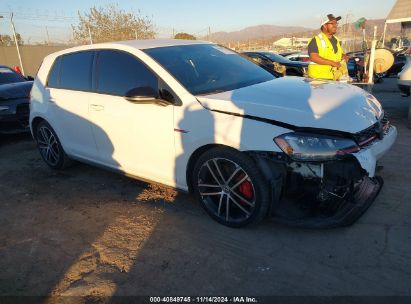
9	76
75	71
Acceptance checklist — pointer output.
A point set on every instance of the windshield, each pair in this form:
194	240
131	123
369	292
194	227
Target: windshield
9	76
207	68
276	57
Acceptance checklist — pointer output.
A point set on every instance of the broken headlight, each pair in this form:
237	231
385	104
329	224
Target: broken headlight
313	147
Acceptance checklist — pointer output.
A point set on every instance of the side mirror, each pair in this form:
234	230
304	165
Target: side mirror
145	95
142	95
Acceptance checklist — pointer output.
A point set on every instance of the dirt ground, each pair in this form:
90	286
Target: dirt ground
89	232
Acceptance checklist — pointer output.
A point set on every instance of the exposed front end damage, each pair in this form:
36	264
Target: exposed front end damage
326	195
329	193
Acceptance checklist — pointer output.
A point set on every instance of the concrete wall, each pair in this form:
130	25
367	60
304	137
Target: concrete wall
31	55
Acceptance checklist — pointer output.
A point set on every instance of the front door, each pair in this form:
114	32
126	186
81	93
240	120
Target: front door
135	138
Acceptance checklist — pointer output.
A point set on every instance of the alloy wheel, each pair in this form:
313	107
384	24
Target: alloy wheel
226	190
48	145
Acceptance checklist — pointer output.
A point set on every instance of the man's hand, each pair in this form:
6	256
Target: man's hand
345	57
335	64
314	57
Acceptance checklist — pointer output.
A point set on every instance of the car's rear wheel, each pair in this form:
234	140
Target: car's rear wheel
230	187
49	146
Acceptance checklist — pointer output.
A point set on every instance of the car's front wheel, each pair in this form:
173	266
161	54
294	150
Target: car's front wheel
49	146
230	187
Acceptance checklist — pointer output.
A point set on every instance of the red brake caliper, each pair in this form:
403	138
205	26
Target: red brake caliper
246	189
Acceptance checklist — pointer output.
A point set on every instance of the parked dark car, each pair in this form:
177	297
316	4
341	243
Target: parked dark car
14	101
269	68
299	56
293	68
355	66
399	62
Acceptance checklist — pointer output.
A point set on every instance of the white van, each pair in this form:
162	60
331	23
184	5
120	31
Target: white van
199	117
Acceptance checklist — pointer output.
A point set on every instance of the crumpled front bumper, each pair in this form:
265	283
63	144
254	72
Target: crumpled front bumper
369	155
352	209
354	205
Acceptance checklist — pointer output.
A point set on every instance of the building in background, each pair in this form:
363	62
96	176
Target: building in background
292	42
400	13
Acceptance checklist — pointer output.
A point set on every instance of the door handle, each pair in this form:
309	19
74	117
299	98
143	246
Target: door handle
97	107
52	100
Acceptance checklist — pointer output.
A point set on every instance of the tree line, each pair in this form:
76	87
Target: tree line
7	40
104	24
110	23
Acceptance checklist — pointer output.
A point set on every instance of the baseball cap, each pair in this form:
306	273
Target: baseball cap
328	18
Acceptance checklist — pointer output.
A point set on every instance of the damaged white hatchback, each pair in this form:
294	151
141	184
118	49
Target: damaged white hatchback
199	117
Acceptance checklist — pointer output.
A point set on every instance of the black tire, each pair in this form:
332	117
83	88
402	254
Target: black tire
226	177
50	147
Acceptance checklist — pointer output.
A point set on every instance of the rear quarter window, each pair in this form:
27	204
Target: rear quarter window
53	80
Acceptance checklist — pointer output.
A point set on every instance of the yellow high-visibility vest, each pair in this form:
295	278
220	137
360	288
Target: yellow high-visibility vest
325	50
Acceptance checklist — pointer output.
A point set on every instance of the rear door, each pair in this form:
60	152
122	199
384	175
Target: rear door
69	87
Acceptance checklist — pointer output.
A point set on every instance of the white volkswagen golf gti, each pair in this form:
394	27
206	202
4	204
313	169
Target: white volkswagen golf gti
199	117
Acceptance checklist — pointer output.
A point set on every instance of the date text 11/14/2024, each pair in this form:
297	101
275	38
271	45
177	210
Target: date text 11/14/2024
203	300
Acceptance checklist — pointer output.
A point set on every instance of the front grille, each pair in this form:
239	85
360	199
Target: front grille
376	131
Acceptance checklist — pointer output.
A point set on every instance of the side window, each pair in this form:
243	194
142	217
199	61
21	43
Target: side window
75	71
119	72
266	61
254	57
53	80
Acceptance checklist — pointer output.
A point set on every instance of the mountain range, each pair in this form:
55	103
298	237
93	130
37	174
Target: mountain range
273	32
255	32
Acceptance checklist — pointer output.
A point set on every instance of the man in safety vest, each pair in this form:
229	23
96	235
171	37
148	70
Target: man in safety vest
327	58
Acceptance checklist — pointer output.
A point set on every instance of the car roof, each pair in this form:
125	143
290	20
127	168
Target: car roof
155	43
136	44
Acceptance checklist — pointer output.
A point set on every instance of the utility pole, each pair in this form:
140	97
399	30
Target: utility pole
345	30
17	44
72	34
48	37
135	32
89	35
0	35
383	36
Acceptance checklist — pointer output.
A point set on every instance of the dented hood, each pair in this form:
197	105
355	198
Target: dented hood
301	102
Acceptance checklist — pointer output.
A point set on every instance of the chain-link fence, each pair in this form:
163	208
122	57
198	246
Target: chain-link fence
40	33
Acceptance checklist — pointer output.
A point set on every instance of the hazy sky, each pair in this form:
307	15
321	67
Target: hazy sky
35	19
